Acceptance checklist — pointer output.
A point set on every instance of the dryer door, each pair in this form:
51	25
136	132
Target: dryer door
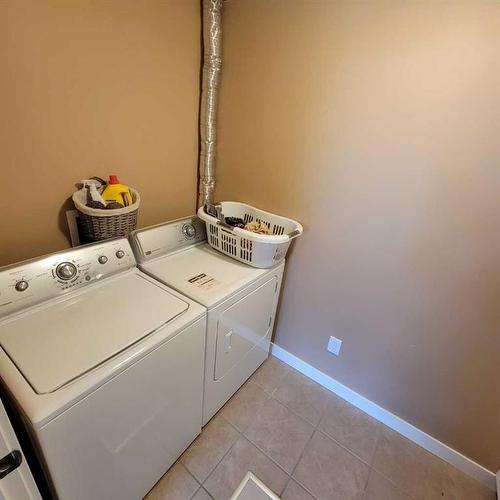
243	325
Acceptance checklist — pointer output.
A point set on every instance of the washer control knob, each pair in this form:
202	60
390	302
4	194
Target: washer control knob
66	270
22	285
120	254
188	230
102	259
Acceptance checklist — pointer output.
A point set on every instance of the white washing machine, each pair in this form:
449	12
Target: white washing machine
105	366
241	301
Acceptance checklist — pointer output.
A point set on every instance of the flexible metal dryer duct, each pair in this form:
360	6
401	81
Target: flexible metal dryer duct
212	63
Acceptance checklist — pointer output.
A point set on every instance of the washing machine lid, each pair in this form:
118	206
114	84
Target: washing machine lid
62	339
203	274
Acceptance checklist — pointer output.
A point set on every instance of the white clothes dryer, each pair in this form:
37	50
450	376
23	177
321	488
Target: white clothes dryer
241	301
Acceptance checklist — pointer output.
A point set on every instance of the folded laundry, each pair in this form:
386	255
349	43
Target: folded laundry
257	227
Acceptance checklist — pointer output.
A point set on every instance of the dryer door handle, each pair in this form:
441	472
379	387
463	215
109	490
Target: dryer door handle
228	337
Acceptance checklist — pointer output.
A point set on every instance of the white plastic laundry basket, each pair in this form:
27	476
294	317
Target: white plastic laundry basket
257	250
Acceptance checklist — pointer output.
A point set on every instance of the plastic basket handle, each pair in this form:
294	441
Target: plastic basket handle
294	234
225	225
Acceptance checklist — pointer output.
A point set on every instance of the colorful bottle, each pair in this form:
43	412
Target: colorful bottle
116	192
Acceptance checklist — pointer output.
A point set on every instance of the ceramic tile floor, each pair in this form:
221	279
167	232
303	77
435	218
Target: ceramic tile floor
305	443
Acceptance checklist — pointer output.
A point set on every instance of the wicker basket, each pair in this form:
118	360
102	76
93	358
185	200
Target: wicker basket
98	224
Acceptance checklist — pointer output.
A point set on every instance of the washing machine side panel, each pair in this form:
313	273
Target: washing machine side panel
218	391
120	439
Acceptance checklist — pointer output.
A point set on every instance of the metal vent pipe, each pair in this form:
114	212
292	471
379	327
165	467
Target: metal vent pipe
212	64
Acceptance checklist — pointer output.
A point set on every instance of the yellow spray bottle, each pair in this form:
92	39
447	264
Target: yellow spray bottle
116	192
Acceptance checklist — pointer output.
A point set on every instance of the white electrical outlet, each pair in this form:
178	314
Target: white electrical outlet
334	345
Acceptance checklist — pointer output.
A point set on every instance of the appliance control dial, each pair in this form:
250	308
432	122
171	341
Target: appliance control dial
102	259
120	254
21	286
188	230
66	271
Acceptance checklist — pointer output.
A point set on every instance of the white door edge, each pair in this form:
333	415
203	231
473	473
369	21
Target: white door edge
18	484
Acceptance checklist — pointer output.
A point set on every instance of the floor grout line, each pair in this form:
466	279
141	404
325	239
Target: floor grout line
393	484
205	490
254	416
189	472
372	470
297	464
367	481
269	396
304	488
266	455
315	427
272	395
297	414
242	434
201	483
255	446
225	454
288	369
344	447
377	446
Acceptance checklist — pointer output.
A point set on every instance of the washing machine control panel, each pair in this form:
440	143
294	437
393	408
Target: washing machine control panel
31	282
162	239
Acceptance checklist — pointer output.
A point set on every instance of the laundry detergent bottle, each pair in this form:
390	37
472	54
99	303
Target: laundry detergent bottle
116	192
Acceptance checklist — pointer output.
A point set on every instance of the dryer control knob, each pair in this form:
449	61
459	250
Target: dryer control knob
22	285
189	231
102	259
120	254
66	270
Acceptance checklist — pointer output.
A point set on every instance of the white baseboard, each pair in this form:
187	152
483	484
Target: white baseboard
419	437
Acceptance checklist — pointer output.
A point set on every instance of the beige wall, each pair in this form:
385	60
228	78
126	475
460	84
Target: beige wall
376	124
92	88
